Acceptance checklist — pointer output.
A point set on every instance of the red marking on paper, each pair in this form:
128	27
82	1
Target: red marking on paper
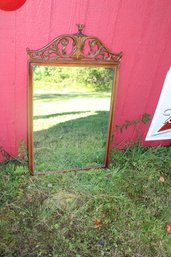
166	126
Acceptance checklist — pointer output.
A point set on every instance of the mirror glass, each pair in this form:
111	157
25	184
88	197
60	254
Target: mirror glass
70	116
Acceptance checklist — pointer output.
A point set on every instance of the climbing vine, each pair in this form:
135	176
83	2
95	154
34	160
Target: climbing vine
145	118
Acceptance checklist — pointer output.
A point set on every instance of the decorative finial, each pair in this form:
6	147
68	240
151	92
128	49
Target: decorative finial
80	28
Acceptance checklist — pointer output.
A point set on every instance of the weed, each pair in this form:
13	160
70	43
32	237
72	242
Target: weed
21	160
145	118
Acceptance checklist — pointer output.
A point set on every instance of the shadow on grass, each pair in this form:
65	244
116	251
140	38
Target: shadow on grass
74	143
70	95
57	114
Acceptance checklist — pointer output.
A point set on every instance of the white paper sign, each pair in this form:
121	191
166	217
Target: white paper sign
160	127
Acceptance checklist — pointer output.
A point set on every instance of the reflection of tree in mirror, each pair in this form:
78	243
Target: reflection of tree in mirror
94	78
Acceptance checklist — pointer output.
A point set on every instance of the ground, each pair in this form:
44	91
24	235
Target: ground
121	211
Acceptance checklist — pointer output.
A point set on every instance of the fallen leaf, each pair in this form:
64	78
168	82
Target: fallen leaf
98	222
109	175
168	228
161	179
29	199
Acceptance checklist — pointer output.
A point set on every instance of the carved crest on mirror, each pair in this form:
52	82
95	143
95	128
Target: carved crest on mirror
74	47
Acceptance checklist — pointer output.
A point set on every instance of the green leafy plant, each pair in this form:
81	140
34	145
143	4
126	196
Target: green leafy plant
22	150
20	160
145	118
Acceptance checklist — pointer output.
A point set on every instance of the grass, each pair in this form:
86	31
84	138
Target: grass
118	212
70	128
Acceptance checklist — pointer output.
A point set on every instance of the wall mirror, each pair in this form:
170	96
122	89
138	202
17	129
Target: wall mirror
71	101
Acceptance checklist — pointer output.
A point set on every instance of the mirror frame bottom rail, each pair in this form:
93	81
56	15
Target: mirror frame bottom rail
71	50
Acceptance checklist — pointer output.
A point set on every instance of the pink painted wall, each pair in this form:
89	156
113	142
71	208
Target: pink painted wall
141	29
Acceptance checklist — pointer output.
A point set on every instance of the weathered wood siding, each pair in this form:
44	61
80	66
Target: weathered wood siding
141	29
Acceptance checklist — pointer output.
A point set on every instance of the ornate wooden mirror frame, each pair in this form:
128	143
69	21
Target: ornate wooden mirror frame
72	50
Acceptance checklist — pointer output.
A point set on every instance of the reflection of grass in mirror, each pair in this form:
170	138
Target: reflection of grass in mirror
70	133
71	107
59	95
66	108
